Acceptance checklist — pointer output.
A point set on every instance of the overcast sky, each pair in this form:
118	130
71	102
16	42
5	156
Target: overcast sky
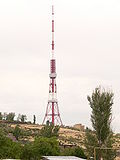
87	48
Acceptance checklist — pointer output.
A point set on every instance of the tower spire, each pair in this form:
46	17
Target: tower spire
52	112
53	31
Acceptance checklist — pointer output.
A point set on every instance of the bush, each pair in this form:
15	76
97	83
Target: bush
41	146
78	152
8	148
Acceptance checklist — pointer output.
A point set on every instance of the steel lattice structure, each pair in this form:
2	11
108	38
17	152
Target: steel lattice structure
52	112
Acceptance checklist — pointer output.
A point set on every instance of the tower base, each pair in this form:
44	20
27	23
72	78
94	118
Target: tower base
55	119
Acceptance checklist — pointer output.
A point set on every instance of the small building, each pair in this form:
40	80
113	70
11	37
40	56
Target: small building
61	158
80	127
66	145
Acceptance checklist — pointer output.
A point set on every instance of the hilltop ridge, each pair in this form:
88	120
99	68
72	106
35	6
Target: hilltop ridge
68	136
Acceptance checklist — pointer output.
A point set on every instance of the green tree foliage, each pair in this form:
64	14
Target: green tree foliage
1	116
4	116
28	152
101	103
49	130
41	146
67	152
34	119
78	152
90	142
18	117
10	117
22	118
17	132
46	146
8	148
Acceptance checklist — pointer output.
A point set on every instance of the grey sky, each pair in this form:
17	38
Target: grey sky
87	35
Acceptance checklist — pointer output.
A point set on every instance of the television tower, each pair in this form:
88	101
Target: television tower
52	111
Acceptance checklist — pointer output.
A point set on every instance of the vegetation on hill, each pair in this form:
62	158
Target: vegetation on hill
41	146
9	148
45	143
49	130
23	140
10	117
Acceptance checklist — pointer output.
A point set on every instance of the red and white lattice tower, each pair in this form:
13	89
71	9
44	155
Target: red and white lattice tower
52	112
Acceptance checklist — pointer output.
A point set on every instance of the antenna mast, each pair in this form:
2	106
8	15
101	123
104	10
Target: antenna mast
52	112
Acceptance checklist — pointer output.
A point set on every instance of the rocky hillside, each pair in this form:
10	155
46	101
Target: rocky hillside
68	136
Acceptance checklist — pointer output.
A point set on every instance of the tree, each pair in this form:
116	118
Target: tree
4	116
41	146
49	130
1	116
79	153
10	117
46	146
22	118
27	152
101	103
90	142
8	148
34	119
19	117
17	132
